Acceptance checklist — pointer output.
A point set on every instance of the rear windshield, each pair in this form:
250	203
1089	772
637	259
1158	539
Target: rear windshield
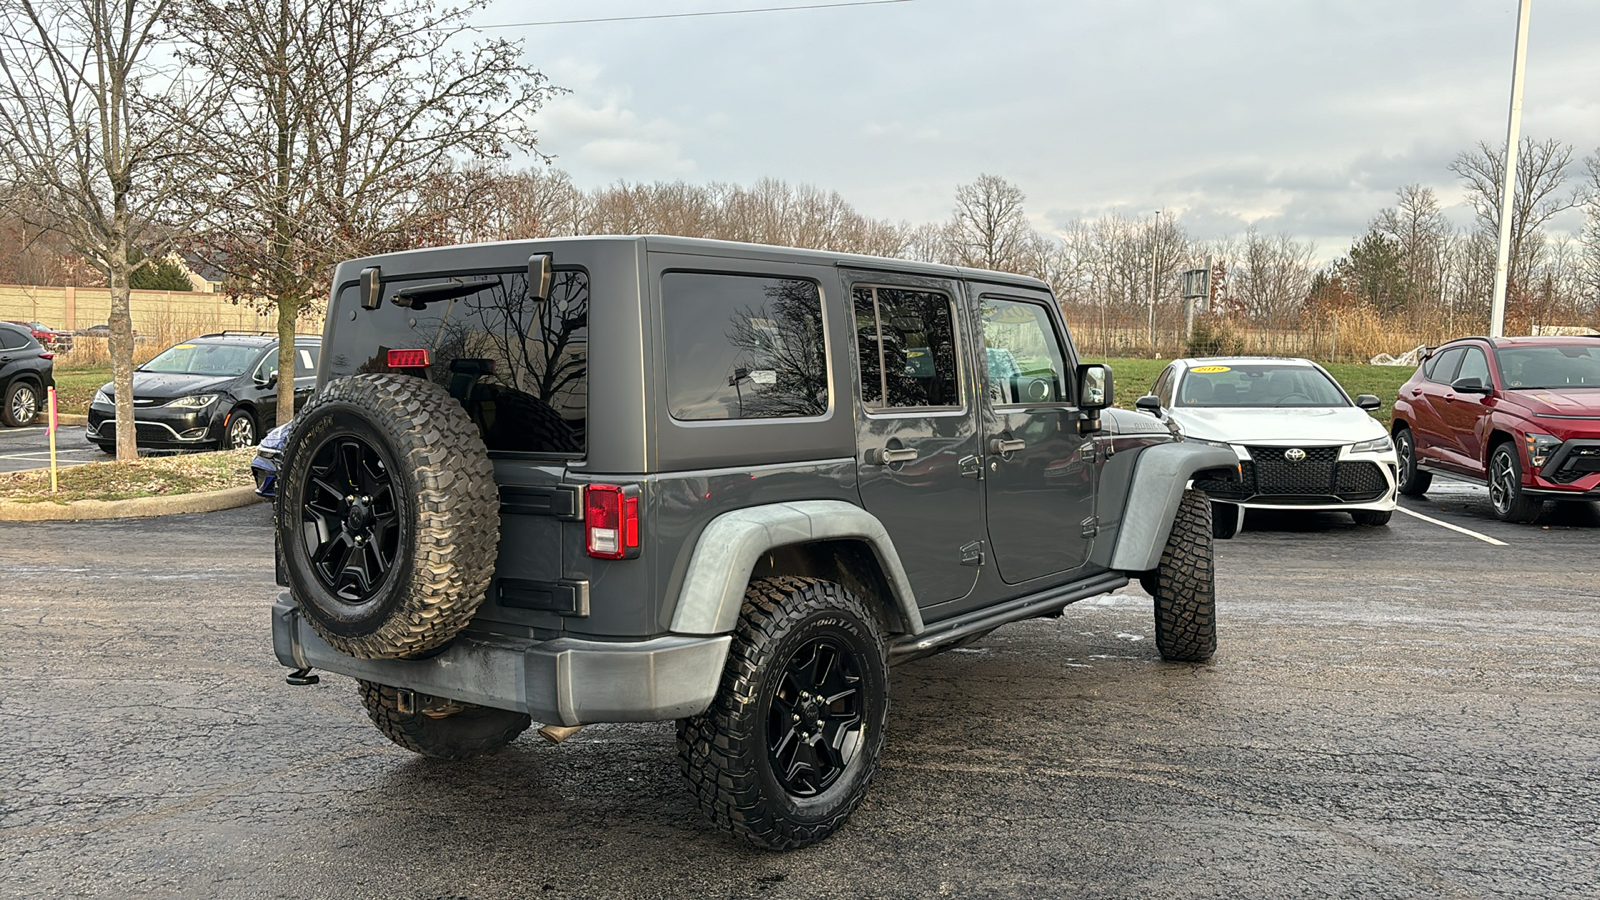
520	366
1258	385
201	358
1565	366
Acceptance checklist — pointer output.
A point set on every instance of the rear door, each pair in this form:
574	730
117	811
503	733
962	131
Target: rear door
1039	474
1428	427
917	435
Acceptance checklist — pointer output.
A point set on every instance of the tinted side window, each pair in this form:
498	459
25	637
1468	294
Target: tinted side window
305	360
906	342
1474	365
1024	358
1163	388
12	340
519	365
1443	367
743	347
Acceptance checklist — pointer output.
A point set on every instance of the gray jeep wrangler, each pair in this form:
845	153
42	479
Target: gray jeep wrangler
627	479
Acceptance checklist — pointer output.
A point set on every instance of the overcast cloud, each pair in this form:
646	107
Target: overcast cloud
1293	116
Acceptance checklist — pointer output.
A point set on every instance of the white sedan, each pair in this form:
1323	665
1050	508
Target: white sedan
1302	442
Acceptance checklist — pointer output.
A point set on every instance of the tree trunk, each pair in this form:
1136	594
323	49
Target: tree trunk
288	314
121	346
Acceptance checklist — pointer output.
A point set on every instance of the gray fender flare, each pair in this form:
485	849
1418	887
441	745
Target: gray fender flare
1159	480
719	571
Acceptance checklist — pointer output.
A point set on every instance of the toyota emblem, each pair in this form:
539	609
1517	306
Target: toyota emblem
1294	454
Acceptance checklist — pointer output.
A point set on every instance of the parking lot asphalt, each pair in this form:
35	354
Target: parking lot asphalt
29	448
1406	711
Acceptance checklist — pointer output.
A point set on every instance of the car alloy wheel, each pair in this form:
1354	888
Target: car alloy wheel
24	404
815	717
241	431
1503	482
351	502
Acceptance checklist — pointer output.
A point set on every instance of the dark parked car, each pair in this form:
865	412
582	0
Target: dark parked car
1521	415
213	391
637	479
26	372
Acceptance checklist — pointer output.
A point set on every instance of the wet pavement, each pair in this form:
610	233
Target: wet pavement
29	448
1406	711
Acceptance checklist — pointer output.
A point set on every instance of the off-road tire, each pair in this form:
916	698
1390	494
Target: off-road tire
442	499
1224	520
473	731
724	752
1413	481
1510	504
16	411
1371	517
1185	586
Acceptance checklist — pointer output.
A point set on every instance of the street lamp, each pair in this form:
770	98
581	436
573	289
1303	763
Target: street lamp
1155	258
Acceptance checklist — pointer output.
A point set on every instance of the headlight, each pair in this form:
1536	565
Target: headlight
196	401
1540	446
1194	440
101	396
1377	445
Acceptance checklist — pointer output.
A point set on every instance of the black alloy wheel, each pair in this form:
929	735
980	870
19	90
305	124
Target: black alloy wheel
1505	487
1413	482
354	517
815	716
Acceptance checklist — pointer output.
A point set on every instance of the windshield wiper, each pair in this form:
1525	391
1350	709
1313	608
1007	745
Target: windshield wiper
420	296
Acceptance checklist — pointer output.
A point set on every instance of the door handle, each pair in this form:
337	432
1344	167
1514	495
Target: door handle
1416	392
886	455
1001	446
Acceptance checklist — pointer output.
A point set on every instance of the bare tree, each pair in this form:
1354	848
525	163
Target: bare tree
1538	197
99	134
1420	234
339	141
989	229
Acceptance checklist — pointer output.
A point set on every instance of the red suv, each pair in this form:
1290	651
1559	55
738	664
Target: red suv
1521	415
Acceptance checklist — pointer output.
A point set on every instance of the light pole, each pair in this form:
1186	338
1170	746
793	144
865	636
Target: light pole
1497	316
1155	260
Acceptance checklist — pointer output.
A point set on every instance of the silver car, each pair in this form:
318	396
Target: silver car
1302	442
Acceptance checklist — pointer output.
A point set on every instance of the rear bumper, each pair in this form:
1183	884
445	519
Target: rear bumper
564	681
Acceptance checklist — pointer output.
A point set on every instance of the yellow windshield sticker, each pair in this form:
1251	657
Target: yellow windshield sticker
184	347
1207	370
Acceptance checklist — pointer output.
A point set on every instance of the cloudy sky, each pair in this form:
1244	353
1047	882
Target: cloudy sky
1298	116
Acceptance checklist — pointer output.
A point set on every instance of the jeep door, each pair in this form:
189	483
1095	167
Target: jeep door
1039	472
917	437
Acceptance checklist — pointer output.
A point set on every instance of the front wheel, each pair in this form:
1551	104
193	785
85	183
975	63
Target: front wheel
439	727
1505	487
21	404
1185	586
240	430
788	747
1413	481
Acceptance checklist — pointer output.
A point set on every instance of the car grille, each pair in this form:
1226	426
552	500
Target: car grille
1277	475
143	431
1319	478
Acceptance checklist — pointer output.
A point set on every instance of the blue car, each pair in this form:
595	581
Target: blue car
265	466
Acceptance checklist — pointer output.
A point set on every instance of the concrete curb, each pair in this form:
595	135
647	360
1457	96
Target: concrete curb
77	510
69	418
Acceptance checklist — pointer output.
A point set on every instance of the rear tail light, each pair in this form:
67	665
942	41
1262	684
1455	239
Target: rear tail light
408	359
46	354
611	521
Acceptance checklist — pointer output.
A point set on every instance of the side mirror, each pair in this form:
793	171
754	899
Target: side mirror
1149	403
371	288
1470	385
1094	387
539	275
270	381
1368	401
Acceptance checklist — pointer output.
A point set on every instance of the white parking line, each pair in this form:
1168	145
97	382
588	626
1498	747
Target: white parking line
1466	531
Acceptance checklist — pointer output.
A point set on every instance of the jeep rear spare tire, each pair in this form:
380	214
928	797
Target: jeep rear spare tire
389	516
